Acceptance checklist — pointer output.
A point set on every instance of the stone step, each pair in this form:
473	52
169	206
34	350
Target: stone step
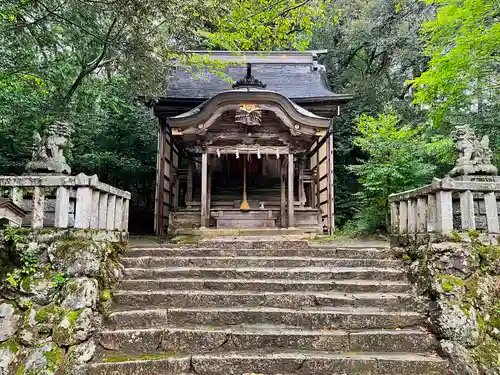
268	285
251	261
310	318
302	273
253	337
125	299
280	362
356	253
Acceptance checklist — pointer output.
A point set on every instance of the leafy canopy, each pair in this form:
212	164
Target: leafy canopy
401	157
463	44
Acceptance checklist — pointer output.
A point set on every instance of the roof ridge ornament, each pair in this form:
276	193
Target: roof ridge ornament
249	80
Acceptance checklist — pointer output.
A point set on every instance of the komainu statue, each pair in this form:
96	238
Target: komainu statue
48	156
474	155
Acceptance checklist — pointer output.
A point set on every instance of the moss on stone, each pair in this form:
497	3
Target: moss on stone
455	236
105	296
144	357
450	282
20	370
54	358
26	284
46	313
487	354
10	344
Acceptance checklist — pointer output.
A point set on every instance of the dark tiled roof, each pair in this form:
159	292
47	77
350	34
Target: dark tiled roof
293	80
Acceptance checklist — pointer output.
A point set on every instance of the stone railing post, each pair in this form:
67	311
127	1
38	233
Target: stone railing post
490	203
444	211
403	217
38	208
61	218
421	214
394	218
126	203
103	210
431	212
118	213
94	218
467	210
412	216
110	219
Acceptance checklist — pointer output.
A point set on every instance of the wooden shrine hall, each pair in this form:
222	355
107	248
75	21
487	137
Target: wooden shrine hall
256	152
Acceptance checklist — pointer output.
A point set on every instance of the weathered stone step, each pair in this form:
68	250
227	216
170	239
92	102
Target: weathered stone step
251	261
268	285
291	300
282	362
302	273
250	337
310	318
356	253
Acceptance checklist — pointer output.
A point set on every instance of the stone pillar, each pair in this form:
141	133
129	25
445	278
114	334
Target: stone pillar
126	203
94	215
490	203
467	210
431	213
16	194
394	218
38	208
204	189
291	221
110	217
83	207
403	217
412	216
444	212
422	214
61	218
103	210
118	213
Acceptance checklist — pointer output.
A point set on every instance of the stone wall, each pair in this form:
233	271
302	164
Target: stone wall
55	288
458	281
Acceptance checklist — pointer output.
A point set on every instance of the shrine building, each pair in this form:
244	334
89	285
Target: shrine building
250	147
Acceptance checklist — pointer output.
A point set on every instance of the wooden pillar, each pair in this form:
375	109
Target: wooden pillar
204	189
302	191
160	183
283	193
291	221
189	187
209	188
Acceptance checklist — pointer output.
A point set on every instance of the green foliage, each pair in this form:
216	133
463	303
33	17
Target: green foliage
462	42
400	158
60	280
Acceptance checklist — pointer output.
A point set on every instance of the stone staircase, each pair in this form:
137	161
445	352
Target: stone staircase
264	308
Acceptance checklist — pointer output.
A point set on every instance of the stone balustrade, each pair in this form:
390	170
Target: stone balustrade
71	201
446	205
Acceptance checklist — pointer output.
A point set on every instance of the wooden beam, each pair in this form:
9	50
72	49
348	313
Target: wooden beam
204	186
161	179
291	221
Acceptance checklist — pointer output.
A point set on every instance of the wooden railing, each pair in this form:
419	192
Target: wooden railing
446	205
68	201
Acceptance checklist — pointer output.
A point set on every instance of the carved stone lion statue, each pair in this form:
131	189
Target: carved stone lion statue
474	155
48	151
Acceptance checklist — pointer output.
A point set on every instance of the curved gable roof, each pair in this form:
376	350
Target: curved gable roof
291	74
